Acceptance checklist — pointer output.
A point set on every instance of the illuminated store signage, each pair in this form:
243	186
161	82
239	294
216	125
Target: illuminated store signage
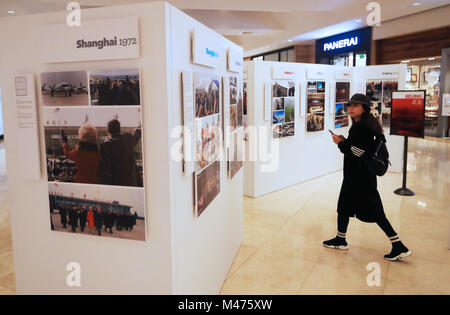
347	42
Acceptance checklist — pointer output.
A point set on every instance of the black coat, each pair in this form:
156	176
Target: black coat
118	163
359	195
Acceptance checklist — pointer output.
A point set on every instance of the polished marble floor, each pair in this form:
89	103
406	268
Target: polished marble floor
282	252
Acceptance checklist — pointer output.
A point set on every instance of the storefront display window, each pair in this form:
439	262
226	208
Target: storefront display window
424	74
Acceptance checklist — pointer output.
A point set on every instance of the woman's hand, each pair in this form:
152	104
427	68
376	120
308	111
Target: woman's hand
338	138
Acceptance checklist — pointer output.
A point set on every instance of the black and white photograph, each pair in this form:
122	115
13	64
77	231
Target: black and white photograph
315	122
115	87
96	210
68	88
291	91
94	145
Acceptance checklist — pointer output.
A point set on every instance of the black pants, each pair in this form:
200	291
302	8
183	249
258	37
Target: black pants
383	223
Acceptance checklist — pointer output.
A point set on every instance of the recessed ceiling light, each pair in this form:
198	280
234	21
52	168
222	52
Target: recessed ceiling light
358	21
11	12
405	61
432	58
416	4
289	40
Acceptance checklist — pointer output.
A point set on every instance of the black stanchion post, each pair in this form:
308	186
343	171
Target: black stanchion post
404	191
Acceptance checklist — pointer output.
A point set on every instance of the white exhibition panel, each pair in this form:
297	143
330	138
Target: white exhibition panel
307	155
204	247
181	254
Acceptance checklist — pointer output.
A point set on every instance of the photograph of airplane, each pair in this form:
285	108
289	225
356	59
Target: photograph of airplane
64	88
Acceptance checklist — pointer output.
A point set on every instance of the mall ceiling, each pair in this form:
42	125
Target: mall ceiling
259	25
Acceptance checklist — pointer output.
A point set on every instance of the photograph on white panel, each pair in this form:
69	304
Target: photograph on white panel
277	103
115	87
207	101
315	103
315	122
342	92
94	145
316	87
68	88
280	89
289	109
341	121
106	211
208	185
207	141
277	117
283	130
207	138
240	105
235	153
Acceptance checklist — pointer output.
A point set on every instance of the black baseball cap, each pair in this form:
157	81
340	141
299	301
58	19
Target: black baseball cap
359	98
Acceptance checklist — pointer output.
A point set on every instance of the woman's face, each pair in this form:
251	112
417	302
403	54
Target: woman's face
355	110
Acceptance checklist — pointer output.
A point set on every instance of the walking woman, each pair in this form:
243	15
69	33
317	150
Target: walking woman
359	195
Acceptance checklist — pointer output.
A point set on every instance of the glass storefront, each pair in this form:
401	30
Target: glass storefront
424	74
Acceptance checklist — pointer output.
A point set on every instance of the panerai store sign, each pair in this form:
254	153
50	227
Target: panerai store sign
205	48
346	42
93	40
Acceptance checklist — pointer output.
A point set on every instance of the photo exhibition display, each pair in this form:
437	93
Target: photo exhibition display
283	109
315	106
235	125
380	93
94	152
408	113
207	128
340	110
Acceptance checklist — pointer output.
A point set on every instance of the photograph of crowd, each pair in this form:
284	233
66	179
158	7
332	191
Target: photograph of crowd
207	186
114	87
283	130
94	145
207	141
240	110
64	88
374	90
342	92
235	153
388	88
98	210
315	122
207	95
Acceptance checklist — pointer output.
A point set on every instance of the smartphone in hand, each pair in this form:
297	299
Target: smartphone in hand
331	132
